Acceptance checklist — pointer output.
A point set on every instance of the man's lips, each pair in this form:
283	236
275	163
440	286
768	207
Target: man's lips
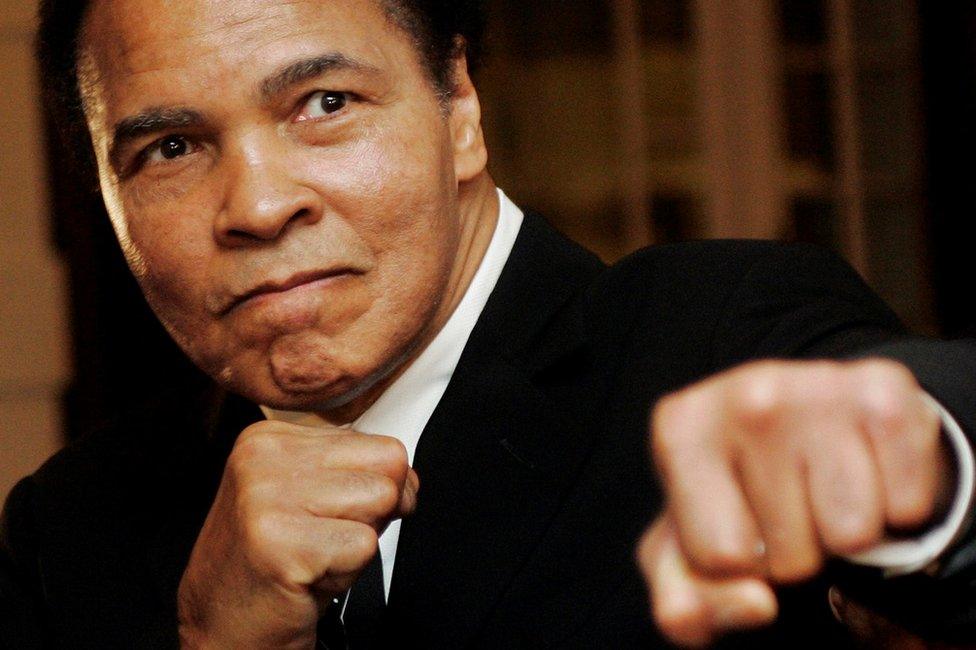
281	286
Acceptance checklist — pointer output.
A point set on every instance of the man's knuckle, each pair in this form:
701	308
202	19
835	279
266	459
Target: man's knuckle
385	493
669	409
664	438
890	370
251	497
645	550
662	446
290	575
255	444
759	400
262	530
762	367
853	533
359	540
885	406
293	569
658	415
353	482
392	452
887	375
825	385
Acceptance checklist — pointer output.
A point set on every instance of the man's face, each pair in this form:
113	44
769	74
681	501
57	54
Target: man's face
282	179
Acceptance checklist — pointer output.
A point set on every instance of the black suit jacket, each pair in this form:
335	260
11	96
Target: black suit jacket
535	479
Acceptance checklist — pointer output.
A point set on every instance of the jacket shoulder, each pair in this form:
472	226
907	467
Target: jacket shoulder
724	302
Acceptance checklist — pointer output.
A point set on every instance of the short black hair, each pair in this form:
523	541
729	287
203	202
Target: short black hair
441	30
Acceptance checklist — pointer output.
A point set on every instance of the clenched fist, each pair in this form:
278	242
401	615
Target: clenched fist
296	518
771	468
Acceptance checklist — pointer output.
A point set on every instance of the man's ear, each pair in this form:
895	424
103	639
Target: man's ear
467	137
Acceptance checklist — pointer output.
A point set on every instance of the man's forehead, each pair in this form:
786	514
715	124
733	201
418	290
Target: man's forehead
131	48
135	20
136	32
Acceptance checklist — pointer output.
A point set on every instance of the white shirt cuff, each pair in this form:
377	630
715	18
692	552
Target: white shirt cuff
903	556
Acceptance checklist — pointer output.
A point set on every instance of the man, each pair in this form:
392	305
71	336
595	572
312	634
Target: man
301	190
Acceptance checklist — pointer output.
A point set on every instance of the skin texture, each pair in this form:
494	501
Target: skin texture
389	193
772	467
304	251
296	518
302	256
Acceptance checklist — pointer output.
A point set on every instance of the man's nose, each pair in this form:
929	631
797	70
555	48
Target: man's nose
263	197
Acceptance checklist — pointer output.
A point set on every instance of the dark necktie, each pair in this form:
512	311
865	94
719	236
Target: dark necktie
364	603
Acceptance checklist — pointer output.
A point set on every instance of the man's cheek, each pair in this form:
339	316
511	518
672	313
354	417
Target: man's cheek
179	303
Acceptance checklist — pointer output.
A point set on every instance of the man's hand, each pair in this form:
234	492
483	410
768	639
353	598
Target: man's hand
772	467
296	518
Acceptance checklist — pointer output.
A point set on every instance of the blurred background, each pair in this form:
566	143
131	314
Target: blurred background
848	123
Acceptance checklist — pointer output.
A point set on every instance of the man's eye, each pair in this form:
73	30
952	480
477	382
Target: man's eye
322	104
168	148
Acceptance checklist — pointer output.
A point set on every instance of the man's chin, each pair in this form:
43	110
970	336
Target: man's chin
301	374
305	364
335	394
322	393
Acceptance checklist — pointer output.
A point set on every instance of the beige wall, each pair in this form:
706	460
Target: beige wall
33	340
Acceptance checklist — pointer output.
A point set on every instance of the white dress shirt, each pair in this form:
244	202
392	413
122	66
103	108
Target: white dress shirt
403	410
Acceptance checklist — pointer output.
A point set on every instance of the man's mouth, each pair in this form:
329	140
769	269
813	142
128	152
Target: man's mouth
295	281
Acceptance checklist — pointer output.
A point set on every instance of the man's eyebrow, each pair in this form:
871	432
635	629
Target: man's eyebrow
305	69
153	120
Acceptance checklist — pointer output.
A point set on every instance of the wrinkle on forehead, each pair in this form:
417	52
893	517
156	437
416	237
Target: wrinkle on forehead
222	15
111	31
137	37
135	53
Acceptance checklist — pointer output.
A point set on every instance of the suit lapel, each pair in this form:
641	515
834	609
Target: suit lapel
498	454
491	477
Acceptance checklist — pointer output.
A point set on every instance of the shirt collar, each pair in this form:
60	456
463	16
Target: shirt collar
404	408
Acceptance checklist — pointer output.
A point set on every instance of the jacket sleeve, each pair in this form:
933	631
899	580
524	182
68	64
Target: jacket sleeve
21	603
